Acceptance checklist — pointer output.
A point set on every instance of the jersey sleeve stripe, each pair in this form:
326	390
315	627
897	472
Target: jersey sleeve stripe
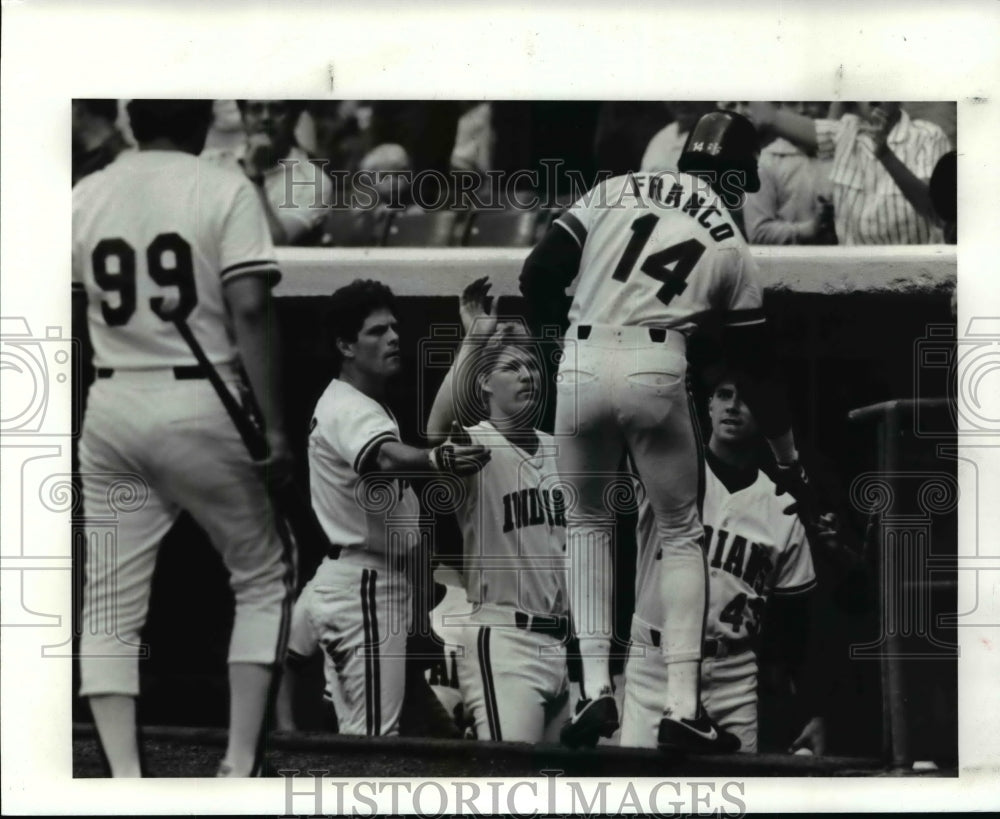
272	274
575	227
261	263
739	318
366	451
790	590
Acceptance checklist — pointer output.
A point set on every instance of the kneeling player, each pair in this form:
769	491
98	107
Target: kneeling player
512	672
754	550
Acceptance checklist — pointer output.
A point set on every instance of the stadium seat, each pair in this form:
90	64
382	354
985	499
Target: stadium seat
347	228
423	229
509	228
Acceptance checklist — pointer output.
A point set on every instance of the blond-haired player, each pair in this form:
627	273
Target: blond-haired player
512	669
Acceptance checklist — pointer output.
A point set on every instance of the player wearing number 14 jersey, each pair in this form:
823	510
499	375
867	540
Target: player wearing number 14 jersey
160	236
656	254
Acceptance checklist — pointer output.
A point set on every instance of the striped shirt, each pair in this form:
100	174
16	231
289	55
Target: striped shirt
869	207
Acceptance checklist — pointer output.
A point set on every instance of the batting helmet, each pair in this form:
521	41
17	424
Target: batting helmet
723	141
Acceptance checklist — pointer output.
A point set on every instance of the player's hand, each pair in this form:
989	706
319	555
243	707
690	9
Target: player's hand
459	460
478	309
792	478
277	467
875	131
259	154
811	739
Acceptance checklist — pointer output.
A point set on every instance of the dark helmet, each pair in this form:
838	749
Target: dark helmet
179	120
723	141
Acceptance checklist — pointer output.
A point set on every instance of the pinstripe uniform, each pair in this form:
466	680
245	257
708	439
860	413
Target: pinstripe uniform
356	608
869	208
158	234
512	670
659	253
754	550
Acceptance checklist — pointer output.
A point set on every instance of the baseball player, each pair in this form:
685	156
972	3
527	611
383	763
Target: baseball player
512	670
656	254
160	235
357	608
755	549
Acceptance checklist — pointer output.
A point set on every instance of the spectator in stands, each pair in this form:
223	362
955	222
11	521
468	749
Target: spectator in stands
295	193
96	140
882	161
382	186
426	131
340	139
474	138
794	204
624	129
665	147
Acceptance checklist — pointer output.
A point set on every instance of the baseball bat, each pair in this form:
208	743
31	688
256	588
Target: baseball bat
249	423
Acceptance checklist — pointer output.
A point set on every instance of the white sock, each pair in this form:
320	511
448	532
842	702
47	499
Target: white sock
682	690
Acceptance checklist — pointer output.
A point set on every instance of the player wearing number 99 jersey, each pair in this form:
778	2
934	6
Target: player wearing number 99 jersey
656	254
159	236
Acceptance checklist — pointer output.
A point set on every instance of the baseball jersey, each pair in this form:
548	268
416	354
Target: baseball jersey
753	549
514	527
358	509
659	250
142	266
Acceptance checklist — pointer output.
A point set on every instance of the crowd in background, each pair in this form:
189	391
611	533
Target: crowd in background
831	173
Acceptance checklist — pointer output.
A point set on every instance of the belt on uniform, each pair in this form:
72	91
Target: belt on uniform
656	334
713	647
549	624
180	373
335	550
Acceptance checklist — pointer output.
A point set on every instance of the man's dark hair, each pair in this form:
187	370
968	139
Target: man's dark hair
177	120
352	304
104	109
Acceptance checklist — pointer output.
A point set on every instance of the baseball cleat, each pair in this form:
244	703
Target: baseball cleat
593	718
699	735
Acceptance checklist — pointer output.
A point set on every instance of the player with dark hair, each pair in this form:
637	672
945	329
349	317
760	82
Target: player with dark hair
357	607
656	254
757	549
159	236
512	670
96	139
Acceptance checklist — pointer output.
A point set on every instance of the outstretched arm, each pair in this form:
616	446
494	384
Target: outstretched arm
451	404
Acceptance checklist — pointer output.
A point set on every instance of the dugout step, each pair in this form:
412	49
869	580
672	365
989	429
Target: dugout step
181	751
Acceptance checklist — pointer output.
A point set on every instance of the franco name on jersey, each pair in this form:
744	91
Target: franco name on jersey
672	197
